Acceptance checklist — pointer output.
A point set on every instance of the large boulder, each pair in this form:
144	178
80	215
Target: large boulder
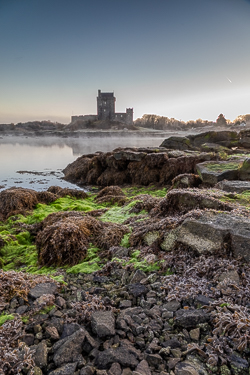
233	186
213	232
224	138
211	172
176	143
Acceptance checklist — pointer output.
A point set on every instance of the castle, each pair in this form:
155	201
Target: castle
106	110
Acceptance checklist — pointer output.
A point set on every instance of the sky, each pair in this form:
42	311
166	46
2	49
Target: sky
185	59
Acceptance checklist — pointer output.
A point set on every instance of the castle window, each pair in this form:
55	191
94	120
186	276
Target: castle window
105	103
104	110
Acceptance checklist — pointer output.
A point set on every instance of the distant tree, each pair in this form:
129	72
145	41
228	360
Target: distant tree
221	121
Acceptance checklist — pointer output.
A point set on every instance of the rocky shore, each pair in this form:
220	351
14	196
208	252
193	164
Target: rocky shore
131	280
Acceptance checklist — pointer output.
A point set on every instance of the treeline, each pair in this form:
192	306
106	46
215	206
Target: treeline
165	123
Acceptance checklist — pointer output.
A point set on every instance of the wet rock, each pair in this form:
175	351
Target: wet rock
103	323
244	171
67	369
43	288
87	370
190	318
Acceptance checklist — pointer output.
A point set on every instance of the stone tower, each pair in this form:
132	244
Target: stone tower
105	105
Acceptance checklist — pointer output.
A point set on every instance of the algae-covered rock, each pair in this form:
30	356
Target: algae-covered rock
212	172
224	138
244	171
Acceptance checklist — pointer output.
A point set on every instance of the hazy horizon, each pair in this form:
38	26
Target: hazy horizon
173	58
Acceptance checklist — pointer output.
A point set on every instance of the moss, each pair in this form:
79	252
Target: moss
221	167
5	317
25	319
47	309
151	190
125	240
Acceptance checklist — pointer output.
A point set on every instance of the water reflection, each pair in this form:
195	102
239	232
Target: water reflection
41	160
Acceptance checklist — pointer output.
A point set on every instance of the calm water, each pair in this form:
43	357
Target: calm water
37	163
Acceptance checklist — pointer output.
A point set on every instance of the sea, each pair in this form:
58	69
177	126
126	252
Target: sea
37	162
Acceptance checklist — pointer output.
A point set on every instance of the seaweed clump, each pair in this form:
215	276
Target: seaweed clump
65	237
112	195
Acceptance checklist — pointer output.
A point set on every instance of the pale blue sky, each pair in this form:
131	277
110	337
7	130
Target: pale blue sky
176	58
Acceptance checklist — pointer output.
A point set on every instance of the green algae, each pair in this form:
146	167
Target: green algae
151	190
5	317
221	167
138	263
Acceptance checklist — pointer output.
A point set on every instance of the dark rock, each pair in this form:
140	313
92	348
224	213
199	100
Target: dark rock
22	309
123	356
28	339
239	366
244	171
67	369
171	306
41	354
154	360
103	323
137	290
69	349
43	288
172	343
224	138
69	329
100	279
176	143
190	318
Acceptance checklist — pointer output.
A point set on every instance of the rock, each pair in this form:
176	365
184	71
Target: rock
176	143
233	186
143	368
224	138
87	370
53	333
43	288
244	171
125	304
115	369
171	305
239	366
137	276
40	356
154	360
232	275
212	231
195	334
103	323
69	348
123	356
137	289
212	172
190	318
28	338
67	369
129	155
22	309
69	329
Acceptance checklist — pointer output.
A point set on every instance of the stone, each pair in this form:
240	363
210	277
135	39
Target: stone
190	318
125	304
176	143
103	323
69	349
67	369
125	357
143	368
232	275
43	288
53	333
154	360
22	309
69	329
211	172
238	365
129	155
87	370
244	171
28	338
137	276
41	354
210	232
171	306
115	369
195	334
137	289
233	186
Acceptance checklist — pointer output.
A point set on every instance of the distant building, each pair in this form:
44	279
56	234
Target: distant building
106	110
